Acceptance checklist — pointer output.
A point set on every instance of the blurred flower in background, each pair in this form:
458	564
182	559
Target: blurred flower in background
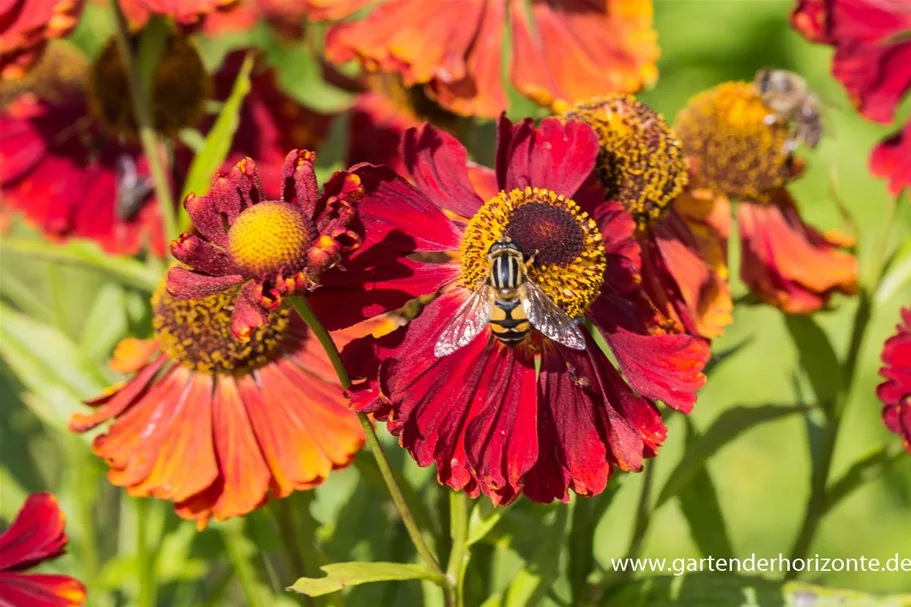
213	423
184	12
36	535
872	41
482	413
737	151
641	165
268	247
455	48
25	28
895	392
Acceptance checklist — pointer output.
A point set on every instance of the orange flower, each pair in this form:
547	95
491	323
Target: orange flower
740	150
215	424
185	12
25	28
454	48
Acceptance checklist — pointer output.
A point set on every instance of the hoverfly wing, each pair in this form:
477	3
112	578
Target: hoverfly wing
548	318
132	190
467	322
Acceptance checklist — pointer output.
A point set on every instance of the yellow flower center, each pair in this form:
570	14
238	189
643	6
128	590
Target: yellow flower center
179	88
269	238
61	72
738	150
641	163
562	243
197	334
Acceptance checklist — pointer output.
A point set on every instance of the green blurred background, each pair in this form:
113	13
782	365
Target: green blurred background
762	478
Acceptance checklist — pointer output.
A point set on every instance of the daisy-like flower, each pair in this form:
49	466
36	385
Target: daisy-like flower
738	152
895	392
37	535
454	48
520	413
25	28
215	424
872	40
63	170
258	248
641	165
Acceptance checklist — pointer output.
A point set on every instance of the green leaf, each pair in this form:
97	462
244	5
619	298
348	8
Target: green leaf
896	275
533	581
343	575
863	470
86	254
702	509
587	511
799	594
218	141
817	357
724	430
105	324
301	76
484	517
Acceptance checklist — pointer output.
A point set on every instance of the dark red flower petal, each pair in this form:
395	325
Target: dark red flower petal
895	392
437	163
37	534
249	312
40	590
25	28
556	156
397	221
810	18
891	159
184	284
375	131
623	253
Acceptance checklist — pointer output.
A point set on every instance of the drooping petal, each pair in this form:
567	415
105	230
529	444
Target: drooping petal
437	162
201	255
40	590
891	160
36	534
25	28
557	156
895	391
184	284
787	263
249	312
810	18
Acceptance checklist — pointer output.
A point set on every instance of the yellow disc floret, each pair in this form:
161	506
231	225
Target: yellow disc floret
561	243
271	238
737	149
641	163
196	333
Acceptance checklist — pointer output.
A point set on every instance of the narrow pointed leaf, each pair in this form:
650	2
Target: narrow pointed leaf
343	575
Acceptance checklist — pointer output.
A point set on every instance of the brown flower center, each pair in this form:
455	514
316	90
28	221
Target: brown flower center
271	238
561	244
737	150
641	163
197	334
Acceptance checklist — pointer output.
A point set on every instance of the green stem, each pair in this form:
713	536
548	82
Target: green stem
459	555
233	538
148	589
643	514
302	306
143	114
290	538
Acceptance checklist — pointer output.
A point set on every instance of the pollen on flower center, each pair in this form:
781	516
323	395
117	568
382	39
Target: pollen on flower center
271	237
740	151
197	334
561	243
641	162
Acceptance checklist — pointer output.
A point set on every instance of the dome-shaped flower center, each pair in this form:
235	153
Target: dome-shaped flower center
197	334
739	151
271	237
62	71
180	86
641	162
561	242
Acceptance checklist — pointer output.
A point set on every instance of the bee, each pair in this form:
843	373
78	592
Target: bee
792	101
511	304
132	190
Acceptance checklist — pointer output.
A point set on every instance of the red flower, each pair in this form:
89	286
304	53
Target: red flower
215	424
25	28
736	152
895	392
267	247
37	535
454	48
376	128
642	166
184	12
891	159
482	413
872	60
60	168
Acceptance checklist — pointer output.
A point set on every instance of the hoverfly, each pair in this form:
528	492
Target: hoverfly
511	304
132	190
792	101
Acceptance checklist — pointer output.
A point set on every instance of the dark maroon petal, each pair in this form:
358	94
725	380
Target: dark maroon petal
661	367
248	311
202	256
298	180
184	284
556	156
438	164
336	208
623	255
37	534
206	218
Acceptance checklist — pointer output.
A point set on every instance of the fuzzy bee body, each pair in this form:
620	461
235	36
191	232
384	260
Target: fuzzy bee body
791	101
510	303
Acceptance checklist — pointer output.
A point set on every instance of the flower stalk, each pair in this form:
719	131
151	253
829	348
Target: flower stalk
458	530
